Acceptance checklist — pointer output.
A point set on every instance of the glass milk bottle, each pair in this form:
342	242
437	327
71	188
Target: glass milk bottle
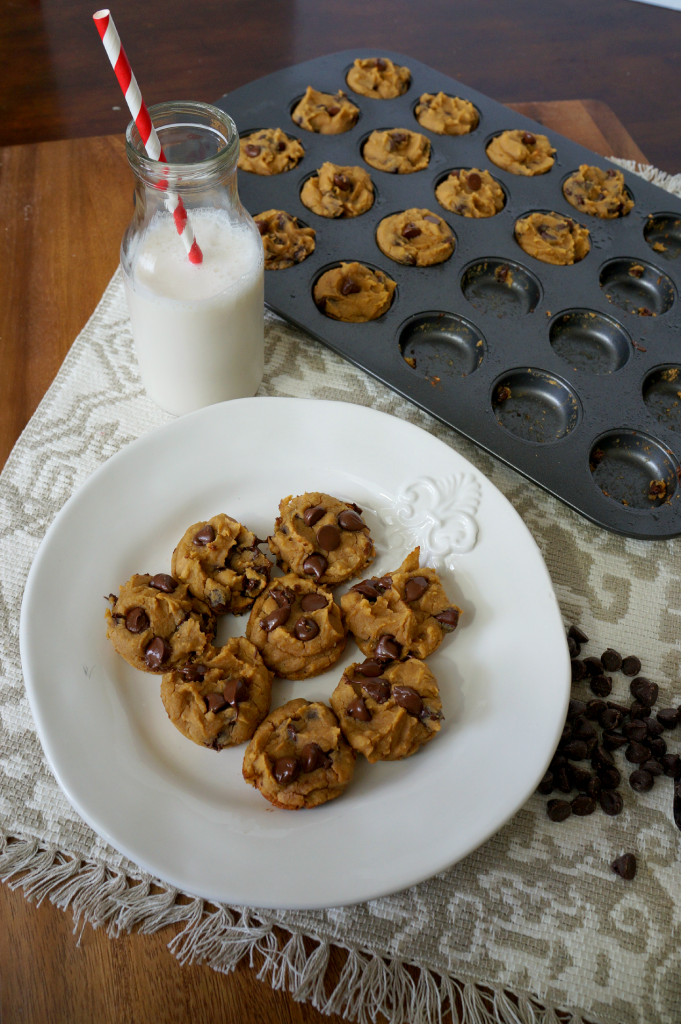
198	327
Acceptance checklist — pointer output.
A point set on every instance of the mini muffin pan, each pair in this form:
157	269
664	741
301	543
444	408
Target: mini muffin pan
572	375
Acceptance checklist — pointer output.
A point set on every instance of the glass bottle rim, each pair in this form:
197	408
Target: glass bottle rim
197	174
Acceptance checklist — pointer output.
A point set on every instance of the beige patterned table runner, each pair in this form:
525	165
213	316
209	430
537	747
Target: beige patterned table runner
536	911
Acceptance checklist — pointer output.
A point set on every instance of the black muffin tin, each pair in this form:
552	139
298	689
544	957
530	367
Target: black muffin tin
594	413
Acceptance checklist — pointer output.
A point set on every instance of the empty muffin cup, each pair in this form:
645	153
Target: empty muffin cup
637	287
633	469
535	406
662	232
662	395
500	288
441	345
588	341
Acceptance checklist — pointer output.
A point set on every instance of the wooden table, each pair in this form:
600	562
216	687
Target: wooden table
64	206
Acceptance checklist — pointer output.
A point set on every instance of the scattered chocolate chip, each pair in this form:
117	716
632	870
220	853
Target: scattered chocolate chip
546	785
644	691
613	740
652	725
285	770
157	653
448	619
575	708
602	758
367	589
315	565
313	602
624	711
312	757
206	535
625	866
387	648
378	690
575	750
631	666
653	767
529	139
583	805
638	710
370	667
636	753
578	635
657	746
594	666
671	764
610	719
137	620
328	537
601	685
558	810
641	781
236	691
162	581
215	702
408	699
612	660
358	709
193	673
349	287
668	718
594	709
578	669
276	618
305	629
349	520
415	588
582	729
611	803
562	780
593	787
313	514
579	777
573	647
609	776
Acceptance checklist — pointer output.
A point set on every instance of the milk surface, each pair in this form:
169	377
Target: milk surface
198	330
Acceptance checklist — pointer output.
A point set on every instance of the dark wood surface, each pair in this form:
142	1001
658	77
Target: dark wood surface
59	247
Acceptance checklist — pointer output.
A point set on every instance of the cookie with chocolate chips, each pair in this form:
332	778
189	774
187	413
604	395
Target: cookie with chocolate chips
338	191
297	628
446	115
378	78
521	152
269	151
388	711
321	112
220	562
221	698
552	238
471	193
598	193
416	237
284	239
322	538
156	624
405	613
354	293
398	151
299	756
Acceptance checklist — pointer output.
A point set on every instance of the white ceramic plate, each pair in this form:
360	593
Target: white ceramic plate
183	812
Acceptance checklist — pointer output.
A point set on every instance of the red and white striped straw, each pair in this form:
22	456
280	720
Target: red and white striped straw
140	114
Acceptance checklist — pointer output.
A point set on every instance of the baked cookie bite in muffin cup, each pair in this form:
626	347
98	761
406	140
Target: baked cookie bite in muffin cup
354	293
472	193
336	191
321	112
521	152
387	712
598	193
552	238
320	537
156	624
220	562
398	151
297	627
284	239
299	756
269	151
405	613
221	698
416	237
446	115
378	78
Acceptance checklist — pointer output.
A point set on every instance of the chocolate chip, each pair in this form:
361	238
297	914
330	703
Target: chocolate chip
280	147
636	753
206	535
328	537
641	781
575	750
332	111
601	685
306	629
558	810
528	139
157	652
579	777
613	740
631	666
370	667
612	660
448	619
367	589
609	776
252	150
578	635
573	647
384	583
637	710
377	689
284	598
677	806
387	648
653	767
313	514
431	219
315	565
399	137
349	520
162	581
578	669
236	691
349	287
474	181
671	764
546	785
611	803
415	588
285	770
582	729
657	746
668	718
137	620
610	718
262	227
276	618
602	758
594	709
575	708
193	673
625	866
312	602
583	805
562	780
358	709
644	691
408	699
593	666
624	711
215	702
653	727
566	735
341	182
381	64
410	231
312	757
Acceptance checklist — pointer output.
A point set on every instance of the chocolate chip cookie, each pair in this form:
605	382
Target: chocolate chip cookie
521	152
299	757
269	151
322	538
405	613
378	78
354	293
156	624
326	114
446	115
297	628
552	238
598	193
388	712
472	193
336	191
417	237
220	699
220	562
285	241
397	151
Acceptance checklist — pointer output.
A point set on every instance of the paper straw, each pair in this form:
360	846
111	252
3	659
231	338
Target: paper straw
140	115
